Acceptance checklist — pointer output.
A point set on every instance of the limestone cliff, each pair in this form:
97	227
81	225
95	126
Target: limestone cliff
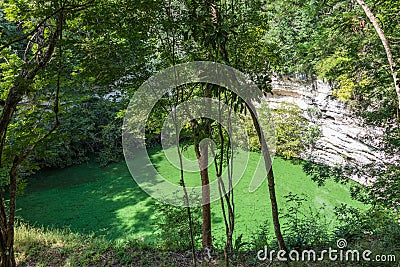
345	140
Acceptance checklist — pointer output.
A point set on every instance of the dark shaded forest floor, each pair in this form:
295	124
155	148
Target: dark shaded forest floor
40	247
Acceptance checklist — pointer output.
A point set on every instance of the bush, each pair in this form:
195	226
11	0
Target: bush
376	229
304	227
293	133
88	128
173	226
290	126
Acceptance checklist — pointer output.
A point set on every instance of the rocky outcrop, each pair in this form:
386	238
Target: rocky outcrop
345	140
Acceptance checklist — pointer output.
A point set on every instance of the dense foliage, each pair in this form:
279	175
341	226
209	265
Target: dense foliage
68	69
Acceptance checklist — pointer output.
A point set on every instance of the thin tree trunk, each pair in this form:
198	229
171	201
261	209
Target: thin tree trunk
385	43
7	257
206	214
187	204
202	158
182	180
186	198
271	181
223	193
265	151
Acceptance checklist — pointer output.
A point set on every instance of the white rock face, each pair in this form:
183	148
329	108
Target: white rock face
345	141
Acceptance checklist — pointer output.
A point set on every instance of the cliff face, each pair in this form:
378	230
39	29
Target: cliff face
344	140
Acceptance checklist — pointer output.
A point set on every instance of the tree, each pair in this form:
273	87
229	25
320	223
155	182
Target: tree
221	49
385	43
35	56
46	34
213	31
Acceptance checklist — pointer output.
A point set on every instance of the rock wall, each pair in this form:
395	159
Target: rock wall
345	140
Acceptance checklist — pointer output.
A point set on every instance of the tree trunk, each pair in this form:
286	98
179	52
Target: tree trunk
206	212
7	229
7	226
271	181
9	259
265	151
202	159
385	43
14	96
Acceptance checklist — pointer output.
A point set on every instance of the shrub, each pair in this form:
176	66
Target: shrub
290	127
293	133
376	229
305	227
173	226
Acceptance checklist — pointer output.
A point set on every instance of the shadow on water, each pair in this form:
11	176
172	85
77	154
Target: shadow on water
88	198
